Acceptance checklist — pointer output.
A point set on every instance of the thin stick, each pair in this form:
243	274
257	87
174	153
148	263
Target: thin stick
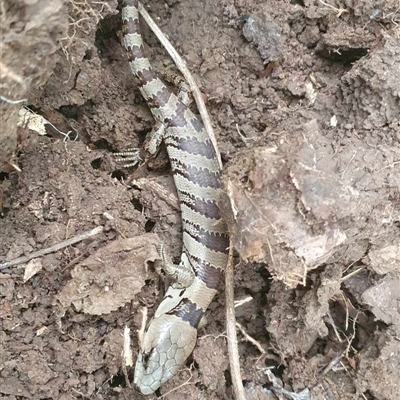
352	274
347	166
52	249
339	11
187	382
144	311
7	100
347	312
332	322
231	329
127	355
239	303
6	72
250	339
15	166
181	65
333	362
352	336
127	351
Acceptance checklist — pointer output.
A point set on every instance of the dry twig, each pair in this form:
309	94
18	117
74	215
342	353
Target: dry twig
356	271
187	382
250	339
127	360
127	351
239	303
353	335
231	329
10	101
53	248
335	329
333	362
6	72
339	11
144	311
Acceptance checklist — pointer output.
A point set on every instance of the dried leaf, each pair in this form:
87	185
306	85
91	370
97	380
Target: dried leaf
41	330
32	268
110	277
32	121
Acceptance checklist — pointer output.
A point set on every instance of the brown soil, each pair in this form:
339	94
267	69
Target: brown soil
305	101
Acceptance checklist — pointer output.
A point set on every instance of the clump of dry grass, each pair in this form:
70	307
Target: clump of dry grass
83	17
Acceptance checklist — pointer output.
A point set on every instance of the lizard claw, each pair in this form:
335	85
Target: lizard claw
131	157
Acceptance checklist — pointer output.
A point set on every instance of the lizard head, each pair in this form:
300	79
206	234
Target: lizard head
167	343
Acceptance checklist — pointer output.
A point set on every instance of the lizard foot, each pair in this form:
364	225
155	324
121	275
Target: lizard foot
130	157
182	274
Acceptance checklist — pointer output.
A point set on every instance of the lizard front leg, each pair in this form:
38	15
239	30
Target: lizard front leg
150	149
182	273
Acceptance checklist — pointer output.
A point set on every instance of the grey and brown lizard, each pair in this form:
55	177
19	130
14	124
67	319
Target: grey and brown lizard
172	333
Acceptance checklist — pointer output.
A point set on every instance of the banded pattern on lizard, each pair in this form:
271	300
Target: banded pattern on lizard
171	334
